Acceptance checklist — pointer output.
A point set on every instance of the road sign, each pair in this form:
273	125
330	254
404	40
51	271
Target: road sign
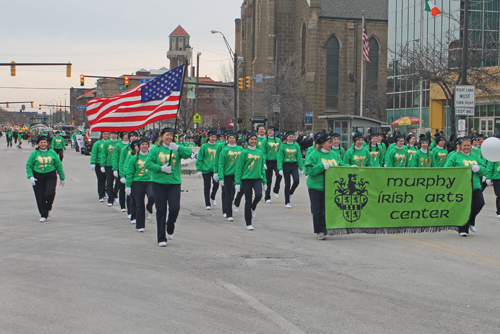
276	103
465	100
258	78
145	79
197	119
309	119
461	125
74	122
81	107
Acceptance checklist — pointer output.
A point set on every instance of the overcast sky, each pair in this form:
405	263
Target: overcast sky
105	37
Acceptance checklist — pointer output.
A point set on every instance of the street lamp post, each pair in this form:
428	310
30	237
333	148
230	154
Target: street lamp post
276	72
197	77
234	57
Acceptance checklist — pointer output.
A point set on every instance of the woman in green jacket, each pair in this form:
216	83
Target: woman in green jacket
423	158
376	153
440	153
290	164
138	182
59	145
412	148
228	159
464	158
358	155
493	178
320	159
271	146
250	177
398	155
95	165
41	169
164	164
205	166
336	147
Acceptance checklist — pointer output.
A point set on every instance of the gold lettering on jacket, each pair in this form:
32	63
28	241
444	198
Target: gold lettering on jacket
164	158
274	146
411	153
211	153
442	158
425	162
290	154
374	155
331	162
44	161
141	167
498	168
233	156
360	160
400	159
254	159
469	163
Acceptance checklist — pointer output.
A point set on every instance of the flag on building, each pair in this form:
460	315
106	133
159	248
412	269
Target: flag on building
366	43
147	103
431	7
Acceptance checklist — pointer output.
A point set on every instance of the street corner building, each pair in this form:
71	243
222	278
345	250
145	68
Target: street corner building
322	41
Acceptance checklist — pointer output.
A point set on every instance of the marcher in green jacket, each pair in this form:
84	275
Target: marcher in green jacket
358	155
290	164
398	155
440	153
107	168
271	147
95	165
423	158
205	165
493	178
228	159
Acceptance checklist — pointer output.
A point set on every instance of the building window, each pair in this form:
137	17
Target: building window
332	73
372	66
303	56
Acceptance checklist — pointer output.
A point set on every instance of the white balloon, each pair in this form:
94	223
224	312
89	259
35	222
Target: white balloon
490	149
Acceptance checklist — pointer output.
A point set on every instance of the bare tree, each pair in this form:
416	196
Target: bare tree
224	97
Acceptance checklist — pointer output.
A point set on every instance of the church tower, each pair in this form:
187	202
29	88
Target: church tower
178	53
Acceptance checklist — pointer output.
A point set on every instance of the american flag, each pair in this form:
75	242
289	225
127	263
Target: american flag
137	107
366	44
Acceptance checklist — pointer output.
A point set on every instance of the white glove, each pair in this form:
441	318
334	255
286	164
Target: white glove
237	188
384	165
326	165
166	169
307	177
103	170
354	165
216	177
301	173
221	183
483	179
128	191
265	166
200	175
123	180
281	173
33	180
92	167
173	147
488	182
62	183
264	187
115	173
475	168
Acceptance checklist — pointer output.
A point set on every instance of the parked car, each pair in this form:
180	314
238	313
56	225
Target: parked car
89	143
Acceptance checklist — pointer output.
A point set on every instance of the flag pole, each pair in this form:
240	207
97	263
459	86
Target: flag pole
362	64
180	102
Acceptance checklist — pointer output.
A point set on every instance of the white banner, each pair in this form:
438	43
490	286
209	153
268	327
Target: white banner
188	166
80	140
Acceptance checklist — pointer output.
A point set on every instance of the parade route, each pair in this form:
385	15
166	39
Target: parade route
87	270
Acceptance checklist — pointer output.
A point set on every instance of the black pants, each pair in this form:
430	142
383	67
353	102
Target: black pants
111	184
207	179
477	205
101	181
9	142
223	195
317	199
60	153
496	188
272	166
247	186
163	194
45	191
229	194
139	190
237	199
121	192
290	169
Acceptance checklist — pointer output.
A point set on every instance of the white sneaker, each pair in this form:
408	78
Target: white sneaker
236	208
42	220
124	210
110	204
129	216
140	230
498	216
472	228
224	215
162	244
149	216
101	200
463	234
268	201
209	208
230	219
214	202
254	214
50	213
170	236
117	200
321	236
291	196
288	206
277	195
133	221
250	227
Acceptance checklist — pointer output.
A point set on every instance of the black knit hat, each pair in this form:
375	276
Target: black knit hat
143	140
251	134
165	130
323	138
40	138
212	133
424	139
271	127
335	135
288	133
398	137
356	136
260	126
439	138
133	133
134	143
231	133
410	136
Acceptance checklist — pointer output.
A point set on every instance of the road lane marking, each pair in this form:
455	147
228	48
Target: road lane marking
263	309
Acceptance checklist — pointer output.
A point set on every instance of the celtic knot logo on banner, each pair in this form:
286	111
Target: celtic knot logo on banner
351	197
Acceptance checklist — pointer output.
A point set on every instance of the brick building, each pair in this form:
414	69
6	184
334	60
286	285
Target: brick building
324	39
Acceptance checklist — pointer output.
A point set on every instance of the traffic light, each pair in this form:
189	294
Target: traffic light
39	107
82	80
13	69
126	82
68	70
60	108
240	83
248	84
240	120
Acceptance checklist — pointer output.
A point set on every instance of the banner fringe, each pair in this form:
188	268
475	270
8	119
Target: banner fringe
392	230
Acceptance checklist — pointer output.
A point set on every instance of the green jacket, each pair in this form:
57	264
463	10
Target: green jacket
462	160
206	158
125	152
95	155
421	159
376	155
250	166
360	158
44	162
339	151
107	153
492	170
290	153
159	156
220	147
440	156
58	143
115	160
228	159
316	170
411	152
397	157
135	171
271	147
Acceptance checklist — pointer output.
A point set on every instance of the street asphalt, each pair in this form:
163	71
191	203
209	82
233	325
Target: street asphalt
87	270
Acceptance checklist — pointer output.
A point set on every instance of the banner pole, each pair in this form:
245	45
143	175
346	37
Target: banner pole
180	102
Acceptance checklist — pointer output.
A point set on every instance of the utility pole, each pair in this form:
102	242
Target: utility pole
197	77
465	42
